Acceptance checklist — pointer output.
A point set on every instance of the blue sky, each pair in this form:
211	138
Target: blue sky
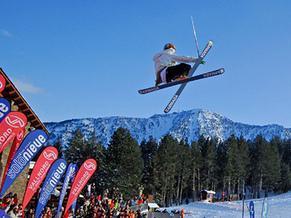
75	59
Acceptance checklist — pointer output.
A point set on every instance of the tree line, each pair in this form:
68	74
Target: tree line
173	170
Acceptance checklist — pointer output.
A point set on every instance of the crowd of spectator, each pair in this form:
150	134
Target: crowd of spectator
10	206
92	206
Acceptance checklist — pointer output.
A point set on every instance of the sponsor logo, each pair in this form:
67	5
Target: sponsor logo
89	166
50	155
15	121
22	159
55	176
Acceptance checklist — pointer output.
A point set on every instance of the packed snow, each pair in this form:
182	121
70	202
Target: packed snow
278	207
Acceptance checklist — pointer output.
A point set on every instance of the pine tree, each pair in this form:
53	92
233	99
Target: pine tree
94	149
58	146
208	168
124	163
165	169
196	160
73	153
285	178
79	150
183	170
232	166
266	164
271	165
244	163
149	150
221	161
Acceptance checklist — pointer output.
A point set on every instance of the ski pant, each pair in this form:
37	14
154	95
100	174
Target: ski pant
176	71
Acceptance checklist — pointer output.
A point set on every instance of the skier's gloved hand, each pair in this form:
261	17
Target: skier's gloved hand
203	62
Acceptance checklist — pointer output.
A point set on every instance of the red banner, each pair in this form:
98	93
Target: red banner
40	169
17	141
2	83
9	128
84	174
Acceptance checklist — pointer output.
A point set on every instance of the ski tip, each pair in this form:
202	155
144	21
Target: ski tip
210	42
222	70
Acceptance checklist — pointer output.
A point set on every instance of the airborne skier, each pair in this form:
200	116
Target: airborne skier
169	66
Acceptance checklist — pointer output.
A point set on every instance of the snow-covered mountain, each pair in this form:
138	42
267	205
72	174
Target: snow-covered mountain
184	125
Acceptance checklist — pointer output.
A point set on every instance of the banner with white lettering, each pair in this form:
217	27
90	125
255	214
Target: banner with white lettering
16	143
2	83
39	172
68	177
53	177
5	108
9	128
30	146
84	174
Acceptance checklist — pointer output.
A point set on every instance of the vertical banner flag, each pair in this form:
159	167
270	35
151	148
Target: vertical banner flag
74	205
2	83
53	177
39	172
252	210
5	108
84	174
10	126
13	149
69	176
29	147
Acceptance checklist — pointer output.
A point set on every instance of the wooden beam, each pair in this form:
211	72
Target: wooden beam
12	94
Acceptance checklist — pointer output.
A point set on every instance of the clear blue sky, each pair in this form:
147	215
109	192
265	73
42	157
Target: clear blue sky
75	59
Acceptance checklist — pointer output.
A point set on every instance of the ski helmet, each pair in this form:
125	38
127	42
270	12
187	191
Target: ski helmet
169	45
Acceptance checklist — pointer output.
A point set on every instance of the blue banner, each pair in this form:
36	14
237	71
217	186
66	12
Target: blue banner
5	108
29	147
252	210
72	168
53	177
3	214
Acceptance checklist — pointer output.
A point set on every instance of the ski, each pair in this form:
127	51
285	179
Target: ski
198	77
191	72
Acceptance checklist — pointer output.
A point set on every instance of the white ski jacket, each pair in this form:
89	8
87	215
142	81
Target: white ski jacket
167	58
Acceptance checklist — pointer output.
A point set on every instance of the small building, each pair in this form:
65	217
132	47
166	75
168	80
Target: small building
207	196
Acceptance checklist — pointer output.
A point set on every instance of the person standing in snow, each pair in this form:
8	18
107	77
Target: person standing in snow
169	67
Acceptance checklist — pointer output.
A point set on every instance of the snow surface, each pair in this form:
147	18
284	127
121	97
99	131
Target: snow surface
184	125
278	207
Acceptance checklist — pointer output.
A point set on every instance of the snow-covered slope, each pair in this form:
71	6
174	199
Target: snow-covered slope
184	125
278	207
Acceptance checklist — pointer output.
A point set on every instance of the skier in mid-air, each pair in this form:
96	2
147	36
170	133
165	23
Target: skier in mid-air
170	67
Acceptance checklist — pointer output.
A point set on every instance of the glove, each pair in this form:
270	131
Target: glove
203	62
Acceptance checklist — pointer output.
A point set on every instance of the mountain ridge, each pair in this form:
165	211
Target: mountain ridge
181	125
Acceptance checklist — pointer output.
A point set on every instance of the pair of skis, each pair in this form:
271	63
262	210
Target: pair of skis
185	81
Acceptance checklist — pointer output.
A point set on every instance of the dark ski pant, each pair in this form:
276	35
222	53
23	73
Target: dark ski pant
176	71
